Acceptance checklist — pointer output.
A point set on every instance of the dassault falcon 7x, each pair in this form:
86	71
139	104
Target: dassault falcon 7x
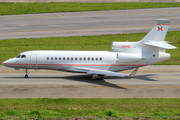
124	55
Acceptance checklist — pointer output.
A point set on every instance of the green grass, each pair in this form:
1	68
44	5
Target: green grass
31	8
48	107
11	48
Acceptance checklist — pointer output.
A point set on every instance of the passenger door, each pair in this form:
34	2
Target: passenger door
33	61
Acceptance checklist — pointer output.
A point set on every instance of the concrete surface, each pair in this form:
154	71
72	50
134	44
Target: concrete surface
150	82
108	1
85	23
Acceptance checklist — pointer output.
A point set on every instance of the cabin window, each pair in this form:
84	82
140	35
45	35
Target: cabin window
47	58
96	58
84	58
64	58
71	58
59	58
75	58
18	56
100	58
88	58
55	58
67	58
92	58
51	58
23	56
80	58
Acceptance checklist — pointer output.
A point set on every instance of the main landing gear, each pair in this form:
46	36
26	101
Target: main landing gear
26	76
100	77
97	77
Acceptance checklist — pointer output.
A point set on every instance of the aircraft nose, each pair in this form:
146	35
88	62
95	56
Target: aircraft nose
5	62
9	63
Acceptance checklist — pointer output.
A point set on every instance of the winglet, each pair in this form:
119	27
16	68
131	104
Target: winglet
134	72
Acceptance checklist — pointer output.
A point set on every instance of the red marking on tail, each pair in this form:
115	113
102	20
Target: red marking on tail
160	28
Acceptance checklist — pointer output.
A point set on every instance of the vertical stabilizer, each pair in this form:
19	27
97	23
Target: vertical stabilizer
158	33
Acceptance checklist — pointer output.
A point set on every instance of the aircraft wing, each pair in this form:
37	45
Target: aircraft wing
96	71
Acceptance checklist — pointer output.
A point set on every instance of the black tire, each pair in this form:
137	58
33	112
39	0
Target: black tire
100	77
26	76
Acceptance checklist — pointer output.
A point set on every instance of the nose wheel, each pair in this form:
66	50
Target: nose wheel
26	76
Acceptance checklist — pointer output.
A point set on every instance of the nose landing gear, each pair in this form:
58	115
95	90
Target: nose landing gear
26	76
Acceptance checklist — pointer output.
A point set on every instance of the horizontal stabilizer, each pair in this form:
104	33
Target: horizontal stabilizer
96	71
161	44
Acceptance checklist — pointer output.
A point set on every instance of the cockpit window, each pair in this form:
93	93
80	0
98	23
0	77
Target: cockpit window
18	56
23	56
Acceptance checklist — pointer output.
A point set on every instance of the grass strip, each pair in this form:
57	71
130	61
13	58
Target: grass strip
134	107
32	8
11	48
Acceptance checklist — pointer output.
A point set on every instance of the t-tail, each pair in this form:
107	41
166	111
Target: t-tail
152	48
157	35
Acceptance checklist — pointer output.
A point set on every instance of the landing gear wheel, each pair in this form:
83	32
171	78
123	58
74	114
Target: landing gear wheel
26	76
100	77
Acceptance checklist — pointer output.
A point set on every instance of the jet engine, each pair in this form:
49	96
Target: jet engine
126	47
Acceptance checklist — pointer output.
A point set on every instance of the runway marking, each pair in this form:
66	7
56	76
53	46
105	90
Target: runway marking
81	29
26	17
74	29
154	87
115	87
112	13
169	77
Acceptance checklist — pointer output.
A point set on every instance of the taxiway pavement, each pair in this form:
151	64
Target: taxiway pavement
150	82
85	23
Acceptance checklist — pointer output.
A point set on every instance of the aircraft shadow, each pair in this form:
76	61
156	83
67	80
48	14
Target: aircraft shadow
80	78
87	79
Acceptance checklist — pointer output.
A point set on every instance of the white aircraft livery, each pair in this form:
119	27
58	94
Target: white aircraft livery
124	55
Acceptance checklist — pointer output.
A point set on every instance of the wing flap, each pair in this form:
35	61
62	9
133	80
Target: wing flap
96	71
161	44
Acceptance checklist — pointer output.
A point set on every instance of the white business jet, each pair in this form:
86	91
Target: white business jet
124	55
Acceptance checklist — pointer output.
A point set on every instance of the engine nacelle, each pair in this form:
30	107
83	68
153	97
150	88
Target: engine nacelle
128	57
126	47
120	46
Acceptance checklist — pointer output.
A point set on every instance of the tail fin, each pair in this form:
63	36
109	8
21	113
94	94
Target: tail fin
158	33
